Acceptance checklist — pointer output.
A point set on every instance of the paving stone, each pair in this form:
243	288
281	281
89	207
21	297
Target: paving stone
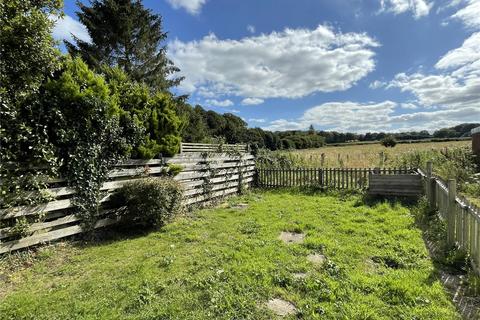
291	237
281	307
317	259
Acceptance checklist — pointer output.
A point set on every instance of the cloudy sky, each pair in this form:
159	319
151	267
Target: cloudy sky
347	65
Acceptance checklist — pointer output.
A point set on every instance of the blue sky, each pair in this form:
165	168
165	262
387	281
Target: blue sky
371	65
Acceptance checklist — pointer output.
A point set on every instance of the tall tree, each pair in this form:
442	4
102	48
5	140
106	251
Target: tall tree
127	35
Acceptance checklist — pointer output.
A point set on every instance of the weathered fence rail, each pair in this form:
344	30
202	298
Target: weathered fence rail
206	147
461	216
337	178
205	177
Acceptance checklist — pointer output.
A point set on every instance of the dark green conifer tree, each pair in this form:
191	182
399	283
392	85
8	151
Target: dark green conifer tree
127	35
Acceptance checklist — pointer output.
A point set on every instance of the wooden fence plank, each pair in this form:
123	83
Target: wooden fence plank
61	222
49	236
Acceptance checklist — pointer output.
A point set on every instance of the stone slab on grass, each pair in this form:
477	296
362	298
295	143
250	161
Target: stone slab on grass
291	237
281	307
317	259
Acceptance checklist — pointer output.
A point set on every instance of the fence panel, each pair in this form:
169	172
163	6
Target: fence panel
461	216
337	178
206	176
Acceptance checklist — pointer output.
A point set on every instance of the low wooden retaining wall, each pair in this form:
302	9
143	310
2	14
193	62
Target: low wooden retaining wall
400	184
337	178
223	173
461	216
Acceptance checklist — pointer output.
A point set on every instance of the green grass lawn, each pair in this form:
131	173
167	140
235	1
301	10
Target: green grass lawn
226	263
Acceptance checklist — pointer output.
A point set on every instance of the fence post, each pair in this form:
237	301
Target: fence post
321	177
431	186
452	193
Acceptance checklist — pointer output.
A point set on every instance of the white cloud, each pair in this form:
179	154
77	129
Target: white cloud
466	58
383	116
410	106
289	64
341	116
449	4
66	26
469	15
252	101
191	6
419	8
377	84
251	28
256	120
219	103
457	87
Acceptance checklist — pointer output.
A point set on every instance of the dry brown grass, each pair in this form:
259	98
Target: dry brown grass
363	156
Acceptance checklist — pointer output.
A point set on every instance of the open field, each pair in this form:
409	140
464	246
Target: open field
227	262
364	156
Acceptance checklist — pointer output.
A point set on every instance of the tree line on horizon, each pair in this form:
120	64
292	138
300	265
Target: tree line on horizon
204	126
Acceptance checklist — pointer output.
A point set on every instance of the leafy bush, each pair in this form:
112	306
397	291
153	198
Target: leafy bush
389	141
151	201
28	56
154	113
84	126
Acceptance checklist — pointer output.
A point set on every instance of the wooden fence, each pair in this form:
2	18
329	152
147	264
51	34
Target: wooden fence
206	147
461	216
337	178
400	185
204	178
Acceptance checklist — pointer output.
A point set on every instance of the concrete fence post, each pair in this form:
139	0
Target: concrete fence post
452	194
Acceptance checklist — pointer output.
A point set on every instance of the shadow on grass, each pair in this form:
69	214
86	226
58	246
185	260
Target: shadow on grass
374	200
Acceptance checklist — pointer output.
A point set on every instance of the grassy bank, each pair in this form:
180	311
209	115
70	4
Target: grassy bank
228	262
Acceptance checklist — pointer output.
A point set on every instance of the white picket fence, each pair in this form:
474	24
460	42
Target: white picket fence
224	173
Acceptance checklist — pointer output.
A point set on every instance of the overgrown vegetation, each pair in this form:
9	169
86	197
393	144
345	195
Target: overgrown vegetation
150	202
449	258
59	117
227	263
449	163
